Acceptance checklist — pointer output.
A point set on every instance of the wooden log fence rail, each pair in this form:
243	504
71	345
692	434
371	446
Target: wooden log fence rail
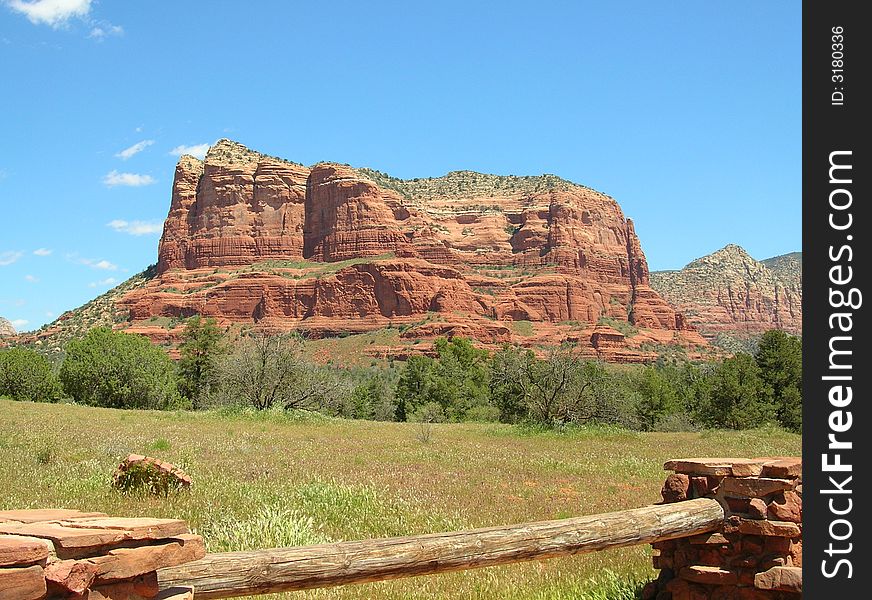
234	574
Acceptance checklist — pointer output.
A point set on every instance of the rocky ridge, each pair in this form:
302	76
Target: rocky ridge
731	297
332	250
6	327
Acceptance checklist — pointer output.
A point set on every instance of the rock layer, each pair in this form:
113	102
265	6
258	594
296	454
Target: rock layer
333	249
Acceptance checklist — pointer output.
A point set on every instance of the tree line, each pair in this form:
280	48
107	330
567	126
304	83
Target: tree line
460	382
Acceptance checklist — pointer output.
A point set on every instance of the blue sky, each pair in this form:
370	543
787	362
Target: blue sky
688	113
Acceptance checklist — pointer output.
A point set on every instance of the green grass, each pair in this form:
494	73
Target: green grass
268	479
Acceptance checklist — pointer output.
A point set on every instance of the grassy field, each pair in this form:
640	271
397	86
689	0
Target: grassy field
274	480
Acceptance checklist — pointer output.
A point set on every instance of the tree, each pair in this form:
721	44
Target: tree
737	398
460	377
779	357
267	371
413	387
201	348
119	370
373	398
27	375
658	396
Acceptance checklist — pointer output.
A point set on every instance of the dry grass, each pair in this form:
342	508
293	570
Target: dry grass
274	480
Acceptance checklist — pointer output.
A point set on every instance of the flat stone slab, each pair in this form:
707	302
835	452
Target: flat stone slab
134	528
789	467
69	542
708	539
709	575
124	563
783	466
781	579
45	514
770	528
737	467
22	551
27	583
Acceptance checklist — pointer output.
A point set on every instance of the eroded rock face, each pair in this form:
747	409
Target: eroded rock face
251	238
6	327
728	292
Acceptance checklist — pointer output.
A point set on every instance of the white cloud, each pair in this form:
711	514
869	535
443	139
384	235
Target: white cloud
134	149
114	178
55	13
198	150
9	257
31	278
19	323
135	227
49	314
42	252
101	31
103	265
103	283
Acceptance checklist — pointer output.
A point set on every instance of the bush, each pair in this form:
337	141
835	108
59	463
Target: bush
119	370
27	375
148	478
272	371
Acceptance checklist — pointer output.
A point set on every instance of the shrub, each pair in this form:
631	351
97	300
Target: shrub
27	375
146	477
272	371
119	370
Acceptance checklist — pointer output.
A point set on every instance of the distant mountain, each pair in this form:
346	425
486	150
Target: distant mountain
787	267
6	327
733	298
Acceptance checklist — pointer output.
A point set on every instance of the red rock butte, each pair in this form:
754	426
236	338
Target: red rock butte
335	250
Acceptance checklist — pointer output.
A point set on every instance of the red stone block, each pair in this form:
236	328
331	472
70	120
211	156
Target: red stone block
26	583
787	579
785	468
709	575
22	551
786	506
675	488
754	487
770	528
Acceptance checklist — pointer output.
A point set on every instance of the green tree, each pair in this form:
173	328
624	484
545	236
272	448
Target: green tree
413	387
508	384
738	400
658	397
201	348
779	357
119	370
27	375
460	377
374	398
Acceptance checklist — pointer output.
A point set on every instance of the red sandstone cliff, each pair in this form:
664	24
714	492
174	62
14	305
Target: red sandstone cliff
333	249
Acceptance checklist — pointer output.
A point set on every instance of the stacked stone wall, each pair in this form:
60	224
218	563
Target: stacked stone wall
756	554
